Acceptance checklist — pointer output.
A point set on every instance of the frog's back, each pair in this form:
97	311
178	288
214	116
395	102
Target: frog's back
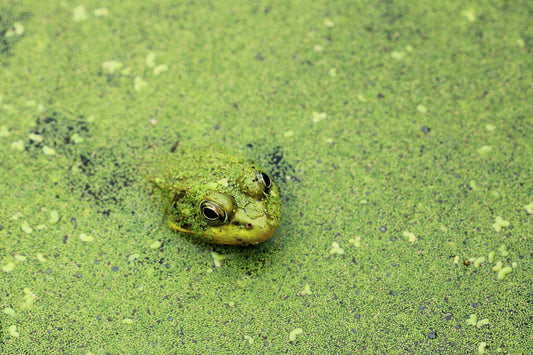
203	165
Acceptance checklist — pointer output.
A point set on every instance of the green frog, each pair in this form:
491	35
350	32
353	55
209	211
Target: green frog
217	195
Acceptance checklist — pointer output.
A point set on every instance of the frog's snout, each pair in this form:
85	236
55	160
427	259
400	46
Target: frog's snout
244	230
243	220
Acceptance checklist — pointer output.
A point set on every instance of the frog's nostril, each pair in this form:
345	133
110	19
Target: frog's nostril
245	225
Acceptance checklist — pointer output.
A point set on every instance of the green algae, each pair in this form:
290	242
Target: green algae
405	141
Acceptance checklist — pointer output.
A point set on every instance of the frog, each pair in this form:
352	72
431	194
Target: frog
217	195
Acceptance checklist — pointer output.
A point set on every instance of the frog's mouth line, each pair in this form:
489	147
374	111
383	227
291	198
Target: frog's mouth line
186	228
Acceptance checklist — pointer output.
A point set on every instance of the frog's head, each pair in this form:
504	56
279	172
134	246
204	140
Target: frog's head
243	208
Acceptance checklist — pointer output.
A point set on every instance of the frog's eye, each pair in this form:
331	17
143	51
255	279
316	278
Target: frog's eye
217	208
264	181
255	183
213	213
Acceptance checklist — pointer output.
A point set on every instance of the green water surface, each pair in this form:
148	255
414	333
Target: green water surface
399	132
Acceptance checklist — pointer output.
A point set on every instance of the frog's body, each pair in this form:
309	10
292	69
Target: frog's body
217	195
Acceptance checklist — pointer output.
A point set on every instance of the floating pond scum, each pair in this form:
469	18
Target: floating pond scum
398	134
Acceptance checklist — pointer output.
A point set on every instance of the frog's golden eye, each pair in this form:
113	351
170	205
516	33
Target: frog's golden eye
217	208
264	181
213	213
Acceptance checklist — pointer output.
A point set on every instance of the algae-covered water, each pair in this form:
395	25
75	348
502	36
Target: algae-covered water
399	133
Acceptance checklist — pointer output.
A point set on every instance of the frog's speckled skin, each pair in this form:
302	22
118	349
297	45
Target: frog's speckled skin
186	178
